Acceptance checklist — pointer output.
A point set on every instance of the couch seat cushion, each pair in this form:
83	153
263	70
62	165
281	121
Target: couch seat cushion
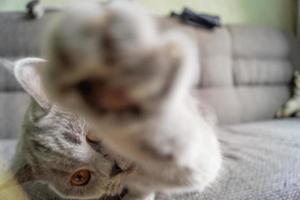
261	161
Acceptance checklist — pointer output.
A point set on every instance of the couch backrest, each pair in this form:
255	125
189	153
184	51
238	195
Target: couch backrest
13	103
246	72
19	37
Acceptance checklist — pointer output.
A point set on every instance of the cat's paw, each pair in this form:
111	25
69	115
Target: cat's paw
113	63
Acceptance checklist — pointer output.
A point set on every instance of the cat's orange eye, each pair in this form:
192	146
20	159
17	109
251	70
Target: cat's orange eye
80	177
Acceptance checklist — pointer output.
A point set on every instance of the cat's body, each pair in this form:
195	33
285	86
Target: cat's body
54	146
131	81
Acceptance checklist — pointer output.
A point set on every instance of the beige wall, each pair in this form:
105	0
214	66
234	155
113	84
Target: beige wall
278	13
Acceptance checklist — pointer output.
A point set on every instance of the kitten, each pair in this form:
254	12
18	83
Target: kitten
132	80
54	147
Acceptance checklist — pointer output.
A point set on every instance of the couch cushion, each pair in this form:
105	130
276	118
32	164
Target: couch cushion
288	129
244	103
21	36
8	82
261	161
13	100
246	77
262	71
12	109
259	42
215	60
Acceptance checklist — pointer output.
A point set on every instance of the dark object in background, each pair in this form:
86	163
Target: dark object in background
35	9
198	19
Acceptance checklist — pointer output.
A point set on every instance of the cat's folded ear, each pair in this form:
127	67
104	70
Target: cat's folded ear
27	72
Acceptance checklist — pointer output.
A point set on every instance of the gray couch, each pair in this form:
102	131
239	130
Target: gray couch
245	77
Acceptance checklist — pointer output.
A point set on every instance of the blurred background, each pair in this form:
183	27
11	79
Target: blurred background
277	13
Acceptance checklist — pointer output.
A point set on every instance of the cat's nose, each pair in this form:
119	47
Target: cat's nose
116	170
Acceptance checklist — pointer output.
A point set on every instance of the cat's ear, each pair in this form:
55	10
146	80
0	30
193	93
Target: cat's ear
27	72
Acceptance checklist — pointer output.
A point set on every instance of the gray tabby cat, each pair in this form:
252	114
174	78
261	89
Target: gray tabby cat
131	80
57	148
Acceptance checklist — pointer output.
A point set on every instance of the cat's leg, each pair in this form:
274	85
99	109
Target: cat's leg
137	99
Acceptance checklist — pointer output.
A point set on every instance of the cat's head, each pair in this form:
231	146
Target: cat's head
54	147
113	64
